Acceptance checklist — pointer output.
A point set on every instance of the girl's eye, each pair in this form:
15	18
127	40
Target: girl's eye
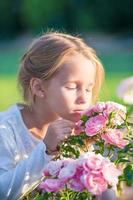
71	86
88	90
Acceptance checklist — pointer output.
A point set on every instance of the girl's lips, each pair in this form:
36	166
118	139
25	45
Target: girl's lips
78	111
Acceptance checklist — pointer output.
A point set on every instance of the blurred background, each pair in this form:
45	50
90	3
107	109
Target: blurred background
106	25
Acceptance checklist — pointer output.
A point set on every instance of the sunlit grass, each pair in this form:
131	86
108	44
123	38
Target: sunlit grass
109	89
9	92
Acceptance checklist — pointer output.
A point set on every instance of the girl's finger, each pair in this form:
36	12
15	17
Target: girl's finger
67	131
65	123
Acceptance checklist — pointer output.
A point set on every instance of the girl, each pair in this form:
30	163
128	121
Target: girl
60	76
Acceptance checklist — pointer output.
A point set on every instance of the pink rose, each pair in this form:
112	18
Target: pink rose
52	185
67	172
66	161
78	127
96	184
118	110
53	168
113	106
119	118
88	112
99	107
95	124
76	182
111	173
76	185
114	137
94	162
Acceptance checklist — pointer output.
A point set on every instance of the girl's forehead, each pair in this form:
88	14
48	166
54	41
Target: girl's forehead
77	66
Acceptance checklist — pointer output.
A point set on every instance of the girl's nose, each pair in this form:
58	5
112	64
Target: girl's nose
82	97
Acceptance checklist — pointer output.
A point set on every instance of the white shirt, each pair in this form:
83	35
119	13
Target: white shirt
22	156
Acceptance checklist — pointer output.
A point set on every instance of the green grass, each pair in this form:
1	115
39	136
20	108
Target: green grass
9	92
9	61
117	65
118	62
109	89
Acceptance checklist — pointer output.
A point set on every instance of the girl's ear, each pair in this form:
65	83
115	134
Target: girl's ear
37	87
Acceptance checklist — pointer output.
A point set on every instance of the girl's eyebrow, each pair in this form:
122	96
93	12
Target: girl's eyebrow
70	82
73	81
91	83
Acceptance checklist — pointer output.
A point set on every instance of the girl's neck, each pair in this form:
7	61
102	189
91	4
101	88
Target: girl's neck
37	121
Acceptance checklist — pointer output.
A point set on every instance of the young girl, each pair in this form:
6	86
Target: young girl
60	76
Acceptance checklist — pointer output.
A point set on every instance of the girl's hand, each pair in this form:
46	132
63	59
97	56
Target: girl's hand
56	133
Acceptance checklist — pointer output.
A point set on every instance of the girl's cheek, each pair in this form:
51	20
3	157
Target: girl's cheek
89	100
68	92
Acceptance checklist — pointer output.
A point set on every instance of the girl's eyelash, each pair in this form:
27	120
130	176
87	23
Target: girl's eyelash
71	88
88	90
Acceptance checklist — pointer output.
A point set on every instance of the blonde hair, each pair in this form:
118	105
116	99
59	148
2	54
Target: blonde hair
45	55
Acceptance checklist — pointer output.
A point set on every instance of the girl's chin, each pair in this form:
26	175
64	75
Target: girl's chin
74	117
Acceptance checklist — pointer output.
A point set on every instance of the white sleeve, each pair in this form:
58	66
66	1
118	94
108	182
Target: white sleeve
16	178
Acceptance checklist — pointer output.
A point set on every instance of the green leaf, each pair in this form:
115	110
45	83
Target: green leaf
123	160
84	118
128	174
39	198
70	151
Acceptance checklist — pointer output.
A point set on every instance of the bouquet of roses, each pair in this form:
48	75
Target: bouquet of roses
89	172
96	157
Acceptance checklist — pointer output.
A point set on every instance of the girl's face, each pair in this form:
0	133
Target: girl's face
69	92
